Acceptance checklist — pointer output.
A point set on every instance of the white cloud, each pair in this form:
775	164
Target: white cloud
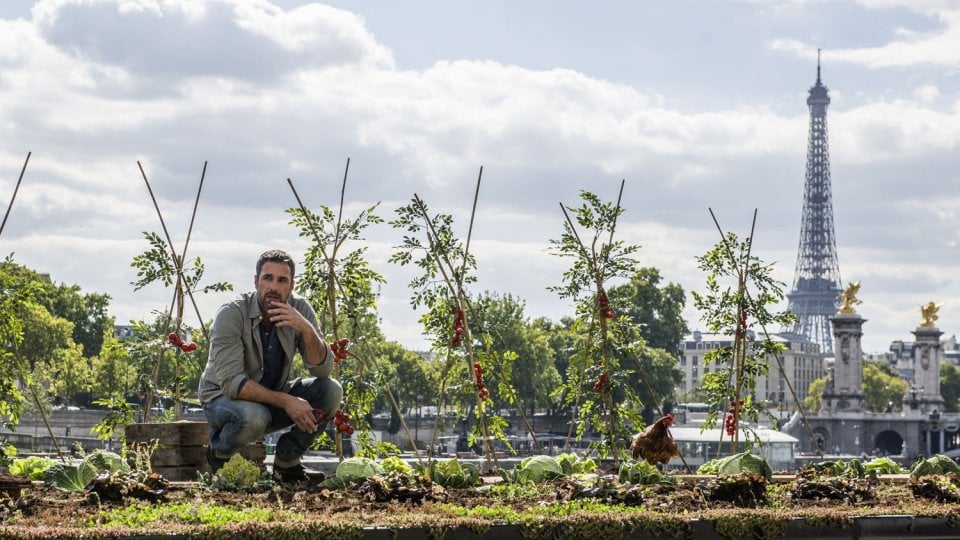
264	94
892	131
938	47
927	93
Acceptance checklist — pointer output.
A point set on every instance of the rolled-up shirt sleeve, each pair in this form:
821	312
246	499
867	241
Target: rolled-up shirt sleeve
226	350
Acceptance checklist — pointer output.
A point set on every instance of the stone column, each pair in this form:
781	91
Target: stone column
927	356
845	393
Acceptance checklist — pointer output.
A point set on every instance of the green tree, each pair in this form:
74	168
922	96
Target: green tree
113	371
87	312
534	375
43	335
882	387
407	373
654	308
68	374
814	398
561	340
662	373
950	387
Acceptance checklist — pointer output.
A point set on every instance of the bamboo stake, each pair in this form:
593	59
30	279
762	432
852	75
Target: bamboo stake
193	215
740	342
466	249
15	190
173	251
179	286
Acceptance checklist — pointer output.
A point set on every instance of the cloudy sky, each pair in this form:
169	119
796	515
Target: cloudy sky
697	104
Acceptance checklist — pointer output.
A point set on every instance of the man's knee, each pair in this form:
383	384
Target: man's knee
256	421
245	421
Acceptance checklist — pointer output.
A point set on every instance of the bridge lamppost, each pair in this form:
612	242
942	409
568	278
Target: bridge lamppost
416	424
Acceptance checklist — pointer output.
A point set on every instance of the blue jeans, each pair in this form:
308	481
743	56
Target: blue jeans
235	423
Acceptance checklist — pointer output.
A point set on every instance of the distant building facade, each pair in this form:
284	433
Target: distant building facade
903	354
802	364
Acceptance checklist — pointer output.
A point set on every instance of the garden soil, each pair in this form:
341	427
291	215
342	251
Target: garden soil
41	506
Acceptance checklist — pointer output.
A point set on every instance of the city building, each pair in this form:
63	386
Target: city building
801	358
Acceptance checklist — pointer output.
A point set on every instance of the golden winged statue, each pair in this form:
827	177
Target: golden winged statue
848	299
929	313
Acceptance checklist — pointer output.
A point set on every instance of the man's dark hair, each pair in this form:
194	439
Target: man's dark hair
276	256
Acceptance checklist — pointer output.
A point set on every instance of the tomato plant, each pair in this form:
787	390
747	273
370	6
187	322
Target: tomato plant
341	286
738	301
598	376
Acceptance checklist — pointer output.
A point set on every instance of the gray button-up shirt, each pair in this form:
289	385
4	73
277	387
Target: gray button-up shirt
237	354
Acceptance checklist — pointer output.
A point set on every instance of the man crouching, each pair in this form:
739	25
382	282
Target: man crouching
246	389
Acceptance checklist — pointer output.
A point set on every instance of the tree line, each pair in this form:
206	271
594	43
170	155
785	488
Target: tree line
66	343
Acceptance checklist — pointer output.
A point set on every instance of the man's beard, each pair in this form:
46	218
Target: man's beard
265	302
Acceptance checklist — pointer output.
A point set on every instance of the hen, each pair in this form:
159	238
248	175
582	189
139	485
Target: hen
655	443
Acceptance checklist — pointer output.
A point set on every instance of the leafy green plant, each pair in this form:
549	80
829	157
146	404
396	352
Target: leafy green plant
161	263
856	468
32	467
514	491
938	464
451	320
738	464
74	477
342	288
642	472
574	464
883	465
535	469
239	474
452	474
352	472
395	464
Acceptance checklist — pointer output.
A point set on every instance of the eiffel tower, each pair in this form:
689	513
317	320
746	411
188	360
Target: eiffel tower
816	281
